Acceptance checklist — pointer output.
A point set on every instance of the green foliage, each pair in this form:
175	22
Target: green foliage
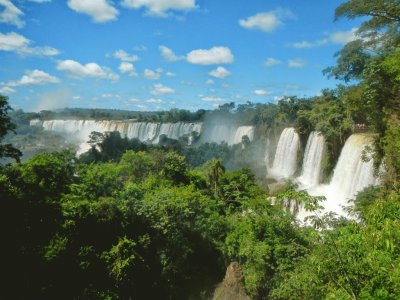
6	126
265	243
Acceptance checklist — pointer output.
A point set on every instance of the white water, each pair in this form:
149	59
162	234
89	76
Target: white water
284	165
241	131
312	161
144	131
225	133
351	175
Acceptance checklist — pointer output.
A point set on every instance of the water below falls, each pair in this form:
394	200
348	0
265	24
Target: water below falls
285	160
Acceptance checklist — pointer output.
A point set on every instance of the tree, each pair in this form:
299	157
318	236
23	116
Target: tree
215	173
7	150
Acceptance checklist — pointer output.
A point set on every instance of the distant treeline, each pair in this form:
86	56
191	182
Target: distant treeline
173	115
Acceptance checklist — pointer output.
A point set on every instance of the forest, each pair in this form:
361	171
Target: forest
129	220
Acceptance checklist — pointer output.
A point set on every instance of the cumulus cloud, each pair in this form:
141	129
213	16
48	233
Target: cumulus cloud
170	74
215	55
168	54
11	14
99	10
140	48
305	44
261	92
35	77
210	81
269	62
266	22
128	68
343	37
296	63
160	7
152	75
18	43
211	98
87	70
154	100
160	89
337	37
122	55
6	90
219	72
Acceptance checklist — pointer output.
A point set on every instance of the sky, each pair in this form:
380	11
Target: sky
150	55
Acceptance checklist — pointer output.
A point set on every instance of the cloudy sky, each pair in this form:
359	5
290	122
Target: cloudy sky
159	54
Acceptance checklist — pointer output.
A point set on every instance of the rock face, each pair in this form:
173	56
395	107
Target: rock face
232	287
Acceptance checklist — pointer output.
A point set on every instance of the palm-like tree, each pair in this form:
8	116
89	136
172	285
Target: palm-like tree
215	173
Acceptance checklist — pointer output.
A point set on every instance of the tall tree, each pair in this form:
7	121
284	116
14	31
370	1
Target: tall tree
6	150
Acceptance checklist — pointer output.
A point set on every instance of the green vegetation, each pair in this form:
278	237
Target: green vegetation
132	221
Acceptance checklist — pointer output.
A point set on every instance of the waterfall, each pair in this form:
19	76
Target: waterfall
147	132
231	135
351	175
218	133
241	131
285	160
312	161
177	130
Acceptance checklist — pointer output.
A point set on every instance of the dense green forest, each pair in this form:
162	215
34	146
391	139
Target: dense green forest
132	221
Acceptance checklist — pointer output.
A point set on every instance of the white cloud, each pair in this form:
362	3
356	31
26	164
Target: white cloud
35	77
261	92
152	75
6	90
269	62
296	63
88	70
107	96
11	14
140	48
186	83
210	81
343	37
219	72
170	74
337	37
160	7
225	85
266	22
215	55
211	98
159	89
99	10
124	56
305	44
154	100
15	42
128	68
168	54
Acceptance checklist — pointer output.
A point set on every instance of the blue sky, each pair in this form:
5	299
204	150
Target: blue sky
159	54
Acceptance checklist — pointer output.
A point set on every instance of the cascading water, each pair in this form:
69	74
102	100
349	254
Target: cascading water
351	175
242	131
218	133
231	135
312	161
285	160
144	131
